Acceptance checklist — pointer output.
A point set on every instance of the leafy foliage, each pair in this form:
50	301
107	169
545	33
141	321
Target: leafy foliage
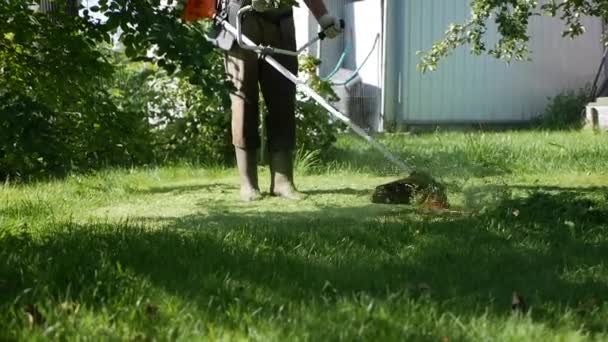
69	102
66	102
56	114
511	18
315	130
565	111
190	123
153	32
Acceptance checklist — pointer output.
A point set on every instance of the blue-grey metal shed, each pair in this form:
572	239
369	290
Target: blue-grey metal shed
476	89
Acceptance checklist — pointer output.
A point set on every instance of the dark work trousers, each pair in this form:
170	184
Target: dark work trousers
246	70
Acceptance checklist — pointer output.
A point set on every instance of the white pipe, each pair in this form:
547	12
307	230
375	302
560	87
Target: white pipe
382	80
385	46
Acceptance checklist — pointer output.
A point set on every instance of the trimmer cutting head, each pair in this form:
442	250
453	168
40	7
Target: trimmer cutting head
418	188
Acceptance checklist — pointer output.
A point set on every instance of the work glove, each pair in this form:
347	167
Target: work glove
260	5
330	25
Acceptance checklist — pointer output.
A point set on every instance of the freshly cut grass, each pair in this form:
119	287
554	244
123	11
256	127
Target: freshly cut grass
171	254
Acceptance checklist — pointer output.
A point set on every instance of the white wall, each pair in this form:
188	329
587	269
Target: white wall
365	25
305	27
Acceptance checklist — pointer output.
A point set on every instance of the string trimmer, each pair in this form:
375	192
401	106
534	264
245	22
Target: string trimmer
419	185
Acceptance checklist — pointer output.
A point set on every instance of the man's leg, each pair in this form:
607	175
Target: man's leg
243	69
280	95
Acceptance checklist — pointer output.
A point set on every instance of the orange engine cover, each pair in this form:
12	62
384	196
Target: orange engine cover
199	9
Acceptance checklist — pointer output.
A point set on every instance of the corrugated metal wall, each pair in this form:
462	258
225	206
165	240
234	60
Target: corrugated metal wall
468	88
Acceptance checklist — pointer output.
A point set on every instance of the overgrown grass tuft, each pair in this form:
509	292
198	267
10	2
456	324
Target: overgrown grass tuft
170	254
481	154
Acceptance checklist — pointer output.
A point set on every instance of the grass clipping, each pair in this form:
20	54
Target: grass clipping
418	188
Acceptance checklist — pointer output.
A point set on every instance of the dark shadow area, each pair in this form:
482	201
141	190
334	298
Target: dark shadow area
471	263
535	196
603	190
180	189
344	191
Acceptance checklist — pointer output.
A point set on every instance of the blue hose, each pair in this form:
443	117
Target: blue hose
338	65
354	74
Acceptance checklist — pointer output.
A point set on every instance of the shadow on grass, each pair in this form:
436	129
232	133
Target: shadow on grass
344	191
181	189
223	187
602	190
471	263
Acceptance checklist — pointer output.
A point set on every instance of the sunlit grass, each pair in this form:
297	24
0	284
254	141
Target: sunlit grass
171	254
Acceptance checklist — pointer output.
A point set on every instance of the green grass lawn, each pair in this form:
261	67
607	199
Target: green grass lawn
171	254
